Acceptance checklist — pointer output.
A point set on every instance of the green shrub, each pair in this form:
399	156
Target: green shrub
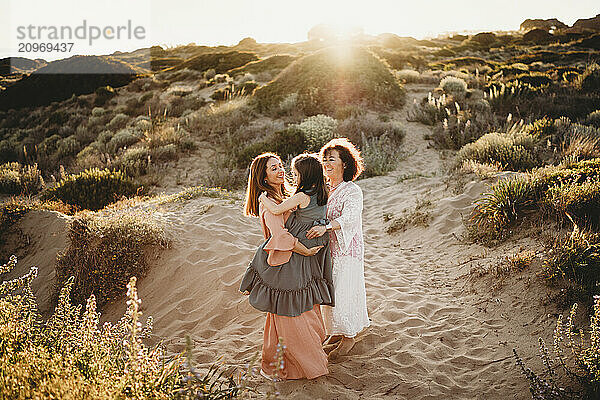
119	121
582	369
408	76
535	79
98	112
564	130
566	173
161	134
331	78
380	155
67	147
317	130
103	94
513	151
505	203
105	136
123	138
506	98
593	118
134	161
430	111
589	81
543	128
567	188
210	74
105	250
10	182
288	104
457	87
243	89
69	356
287	142
91	189
577	259
581	201
215	121
16	178
357	127
142	123
311	134
165	153
92	156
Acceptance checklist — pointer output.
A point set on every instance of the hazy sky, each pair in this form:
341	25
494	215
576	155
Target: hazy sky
225	22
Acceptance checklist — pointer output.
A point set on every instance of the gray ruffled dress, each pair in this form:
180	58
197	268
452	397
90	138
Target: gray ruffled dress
298	285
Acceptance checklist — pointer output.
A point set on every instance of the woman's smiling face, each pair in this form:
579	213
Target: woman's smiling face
275	173
333	165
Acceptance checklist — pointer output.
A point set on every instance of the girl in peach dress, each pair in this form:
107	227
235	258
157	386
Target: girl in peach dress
287	279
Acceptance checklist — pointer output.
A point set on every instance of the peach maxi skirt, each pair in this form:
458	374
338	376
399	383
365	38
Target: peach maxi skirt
303	337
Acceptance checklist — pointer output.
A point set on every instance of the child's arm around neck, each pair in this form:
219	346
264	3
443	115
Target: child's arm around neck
299	199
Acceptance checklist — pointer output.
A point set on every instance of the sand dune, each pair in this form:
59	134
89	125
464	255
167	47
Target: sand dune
433	335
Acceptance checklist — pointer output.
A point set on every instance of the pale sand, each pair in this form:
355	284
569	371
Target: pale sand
434	334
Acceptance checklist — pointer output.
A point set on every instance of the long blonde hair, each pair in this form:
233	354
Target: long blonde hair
257	184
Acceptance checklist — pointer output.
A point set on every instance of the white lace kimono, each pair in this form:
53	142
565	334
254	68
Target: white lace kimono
349	316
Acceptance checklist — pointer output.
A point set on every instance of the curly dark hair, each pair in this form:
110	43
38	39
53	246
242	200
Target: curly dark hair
353	162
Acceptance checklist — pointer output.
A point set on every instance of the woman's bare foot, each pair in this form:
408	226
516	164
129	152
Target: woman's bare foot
342	349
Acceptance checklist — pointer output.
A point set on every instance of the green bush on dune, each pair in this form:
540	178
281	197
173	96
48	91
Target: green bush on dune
91	189
567	191
273	63
71	356
16	178
579	200
287	142
506	202
309	135
593	118
220	62
457	87
104	250
582	364
331	78
589	81
513	151
226	93
535	79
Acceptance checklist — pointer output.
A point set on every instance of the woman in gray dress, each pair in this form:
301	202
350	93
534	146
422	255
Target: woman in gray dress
280	280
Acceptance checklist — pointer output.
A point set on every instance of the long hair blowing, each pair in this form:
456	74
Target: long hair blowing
257	184
311	180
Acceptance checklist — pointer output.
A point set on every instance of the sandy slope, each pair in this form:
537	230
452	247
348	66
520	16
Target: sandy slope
46	235
433	334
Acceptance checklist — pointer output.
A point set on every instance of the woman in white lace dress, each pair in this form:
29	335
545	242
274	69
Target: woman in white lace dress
343	164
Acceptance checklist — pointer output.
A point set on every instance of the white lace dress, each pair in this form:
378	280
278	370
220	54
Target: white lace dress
349	316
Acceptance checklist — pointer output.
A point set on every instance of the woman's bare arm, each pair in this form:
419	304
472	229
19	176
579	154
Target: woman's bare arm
286	205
